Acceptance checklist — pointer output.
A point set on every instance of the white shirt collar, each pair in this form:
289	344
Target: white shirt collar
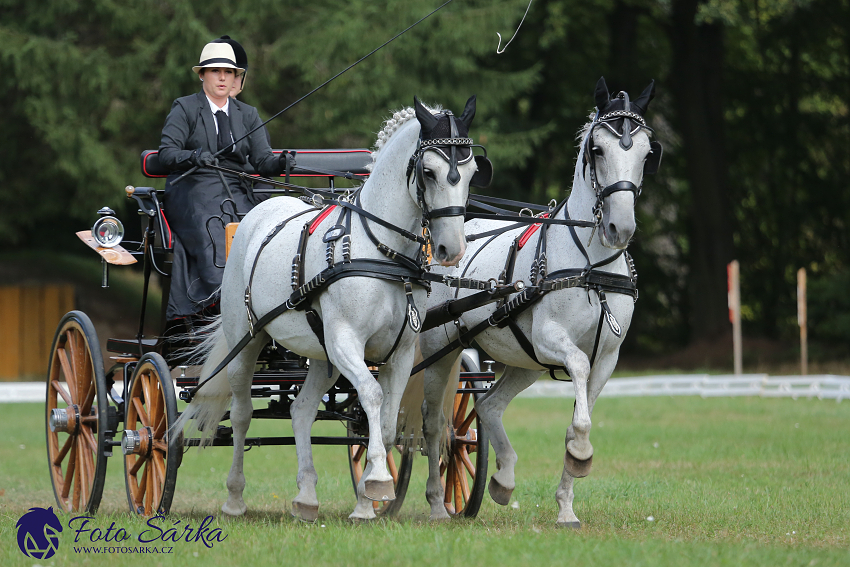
214	107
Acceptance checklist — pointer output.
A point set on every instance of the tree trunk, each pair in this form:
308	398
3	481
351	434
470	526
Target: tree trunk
696	81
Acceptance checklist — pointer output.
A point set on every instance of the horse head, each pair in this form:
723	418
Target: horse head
616	155
442	169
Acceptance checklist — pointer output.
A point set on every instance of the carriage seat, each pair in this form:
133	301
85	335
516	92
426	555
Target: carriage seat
345	160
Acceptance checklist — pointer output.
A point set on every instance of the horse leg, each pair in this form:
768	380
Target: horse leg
345	350
305	506
556	347
490	409
438	376
564	494
392	379
241	373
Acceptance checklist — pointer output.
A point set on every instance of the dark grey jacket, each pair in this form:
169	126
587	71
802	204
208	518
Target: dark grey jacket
190	204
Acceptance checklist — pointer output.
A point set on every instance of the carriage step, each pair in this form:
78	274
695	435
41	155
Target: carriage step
130	346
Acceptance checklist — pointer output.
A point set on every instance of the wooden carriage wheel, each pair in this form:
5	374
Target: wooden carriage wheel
76	411
151	456
463	480
399	463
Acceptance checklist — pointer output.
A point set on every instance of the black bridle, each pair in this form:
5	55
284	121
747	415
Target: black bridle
625	133
447	148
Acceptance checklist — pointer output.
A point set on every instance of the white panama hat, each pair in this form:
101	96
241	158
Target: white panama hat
218	55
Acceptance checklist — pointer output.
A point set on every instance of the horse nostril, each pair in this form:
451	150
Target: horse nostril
441	253
612	230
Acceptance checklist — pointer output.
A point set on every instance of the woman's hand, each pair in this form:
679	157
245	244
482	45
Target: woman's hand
201	159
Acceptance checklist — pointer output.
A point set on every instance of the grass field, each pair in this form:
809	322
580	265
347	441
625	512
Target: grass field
726	482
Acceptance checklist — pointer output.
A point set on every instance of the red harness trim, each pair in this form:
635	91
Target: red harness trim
322	216
530	231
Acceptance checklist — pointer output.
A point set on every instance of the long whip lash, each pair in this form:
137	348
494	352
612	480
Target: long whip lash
396	36
498	51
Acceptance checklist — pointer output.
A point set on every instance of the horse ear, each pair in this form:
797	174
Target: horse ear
645	97
468	112
424	116
602	95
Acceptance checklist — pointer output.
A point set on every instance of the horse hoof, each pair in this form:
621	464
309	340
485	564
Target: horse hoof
576	525
234	510
434	519
379	490
305	512
358	521
499	493
577	468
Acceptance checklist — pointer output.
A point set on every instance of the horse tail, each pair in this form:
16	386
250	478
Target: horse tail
212	400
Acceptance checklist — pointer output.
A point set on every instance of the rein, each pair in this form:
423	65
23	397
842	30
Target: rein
396	36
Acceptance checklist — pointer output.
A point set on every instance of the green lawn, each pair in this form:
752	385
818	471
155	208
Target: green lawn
726	481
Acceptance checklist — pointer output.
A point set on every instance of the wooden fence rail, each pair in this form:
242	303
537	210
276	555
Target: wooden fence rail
28	319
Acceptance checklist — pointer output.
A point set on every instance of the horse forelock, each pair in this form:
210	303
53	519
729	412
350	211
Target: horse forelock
392	124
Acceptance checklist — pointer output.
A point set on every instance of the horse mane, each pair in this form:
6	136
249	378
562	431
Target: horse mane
392	124
582	132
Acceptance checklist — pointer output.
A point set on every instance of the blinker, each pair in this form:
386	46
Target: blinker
484	176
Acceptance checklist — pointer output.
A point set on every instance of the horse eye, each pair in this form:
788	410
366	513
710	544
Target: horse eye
596	150
430	174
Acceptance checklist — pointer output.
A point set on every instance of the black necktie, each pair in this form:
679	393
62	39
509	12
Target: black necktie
225	140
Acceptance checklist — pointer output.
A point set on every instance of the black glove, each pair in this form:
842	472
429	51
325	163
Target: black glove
201	159
287	157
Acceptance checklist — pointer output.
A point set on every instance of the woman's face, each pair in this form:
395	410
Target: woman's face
237	86
218	81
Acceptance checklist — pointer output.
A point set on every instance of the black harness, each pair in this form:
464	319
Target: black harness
397	267
590	277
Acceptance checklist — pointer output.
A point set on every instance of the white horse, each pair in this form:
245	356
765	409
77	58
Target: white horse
563	326
363	318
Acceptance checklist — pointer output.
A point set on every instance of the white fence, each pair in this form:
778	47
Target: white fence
823	387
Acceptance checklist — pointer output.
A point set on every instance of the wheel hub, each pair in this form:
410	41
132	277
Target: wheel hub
137	442
66	420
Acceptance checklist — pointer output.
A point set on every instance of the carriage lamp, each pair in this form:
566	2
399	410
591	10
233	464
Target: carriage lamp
108	230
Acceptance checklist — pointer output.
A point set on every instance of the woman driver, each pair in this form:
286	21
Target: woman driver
197	127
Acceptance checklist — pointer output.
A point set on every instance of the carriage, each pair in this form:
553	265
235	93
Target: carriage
93	410
581	315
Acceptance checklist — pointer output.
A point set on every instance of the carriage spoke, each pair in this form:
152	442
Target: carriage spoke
156	485
464	456
392	466
69	472
464	484
160	428
159	461
149	476
142	415
61	391
86	384
89	437
458	490
142	487
146	390
69	375
464	427
160	445
468	442
461	409
64	451
78	478
137	465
